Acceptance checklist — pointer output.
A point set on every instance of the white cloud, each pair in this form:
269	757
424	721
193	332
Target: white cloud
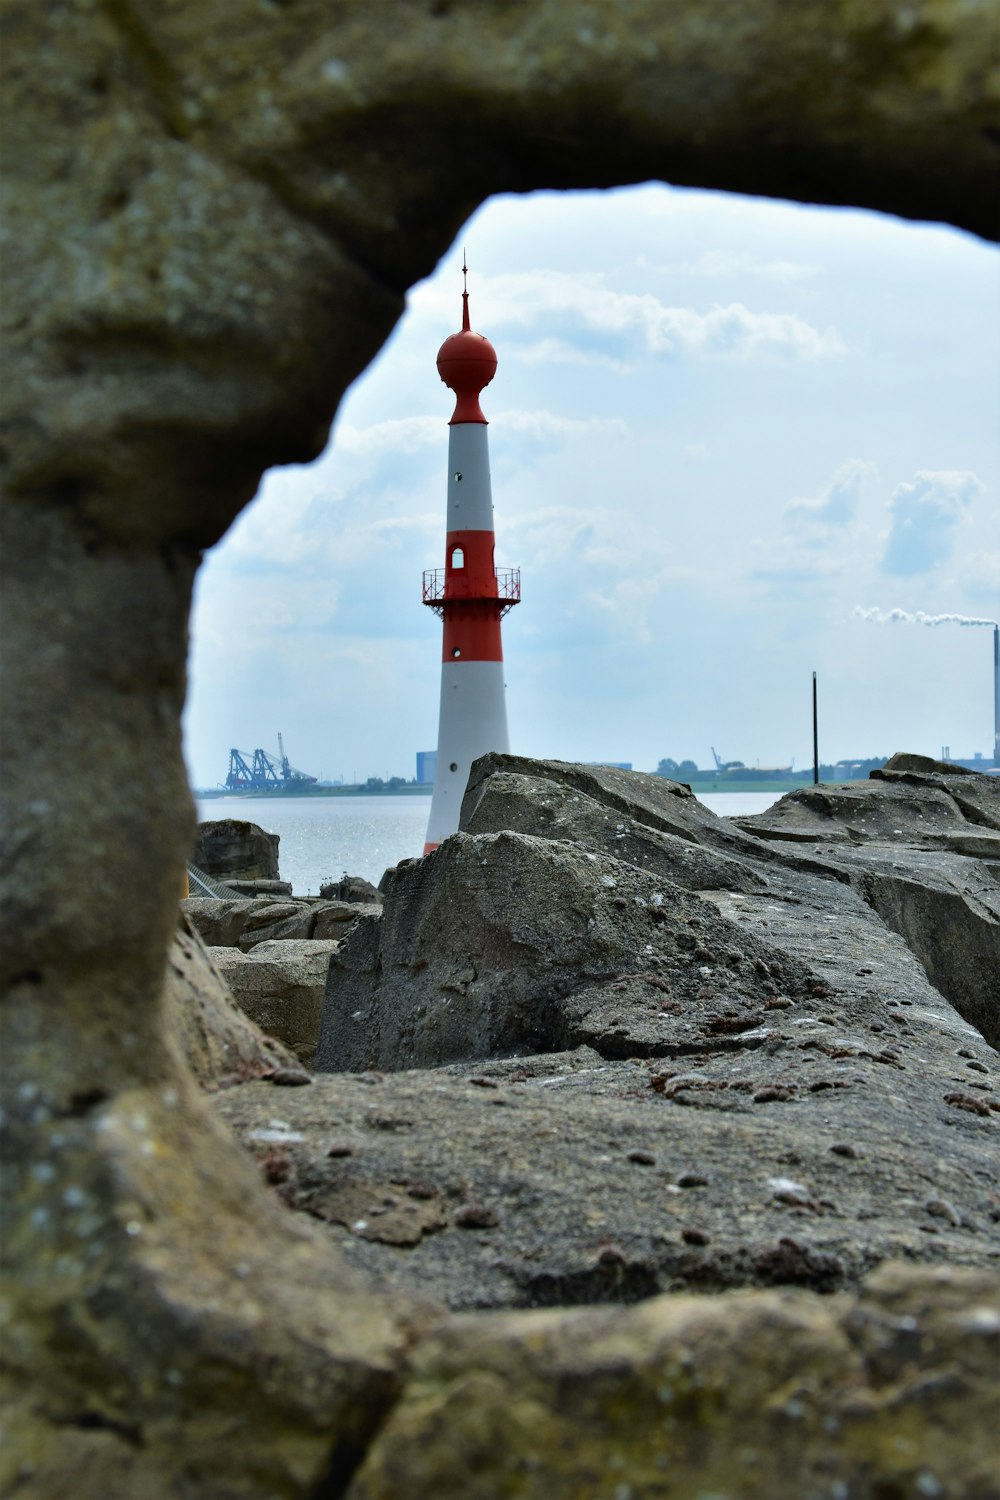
979	571
553	351
712	264
625	604
924	513
397	435
545	424
586	302
838	503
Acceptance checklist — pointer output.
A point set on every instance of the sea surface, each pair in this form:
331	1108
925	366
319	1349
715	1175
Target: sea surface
323	838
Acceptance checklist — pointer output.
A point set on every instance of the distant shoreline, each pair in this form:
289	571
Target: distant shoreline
730	784
303	794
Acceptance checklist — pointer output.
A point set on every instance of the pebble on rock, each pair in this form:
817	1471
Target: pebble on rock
290	1078
476	1216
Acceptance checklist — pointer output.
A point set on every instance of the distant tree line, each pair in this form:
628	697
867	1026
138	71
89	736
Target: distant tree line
843	770
673	768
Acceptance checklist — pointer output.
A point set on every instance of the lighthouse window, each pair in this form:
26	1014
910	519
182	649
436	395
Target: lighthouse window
458	476
453	766
456	651
458	558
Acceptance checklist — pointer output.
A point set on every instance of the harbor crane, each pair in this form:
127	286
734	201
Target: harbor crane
257	771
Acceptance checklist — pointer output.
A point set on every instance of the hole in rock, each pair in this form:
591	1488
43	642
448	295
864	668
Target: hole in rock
656	349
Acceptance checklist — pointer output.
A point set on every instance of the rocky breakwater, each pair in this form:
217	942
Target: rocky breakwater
623	1046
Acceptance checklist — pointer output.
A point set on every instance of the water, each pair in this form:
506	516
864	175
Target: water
323	838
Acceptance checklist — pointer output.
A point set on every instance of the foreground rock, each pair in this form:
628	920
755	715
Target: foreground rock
760	1395
221	1040
231	847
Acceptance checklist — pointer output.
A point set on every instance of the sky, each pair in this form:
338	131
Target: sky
729	437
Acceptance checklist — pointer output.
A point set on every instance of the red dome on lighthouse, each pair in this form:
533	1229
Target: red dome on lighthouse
467	362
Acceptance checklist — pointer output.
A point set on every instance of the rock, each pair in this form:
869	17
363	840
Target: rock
549	1151
243	924
279	888
280	922
870	1100
502	943
648	820
221	924
534	803
798	1030
896	805
280	986
351	888
231	847
334	919
199	262
755	1395
919	841
220	1040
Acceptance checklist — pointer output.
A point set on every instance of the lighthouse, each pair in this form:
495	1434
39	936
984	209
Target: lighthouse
469	594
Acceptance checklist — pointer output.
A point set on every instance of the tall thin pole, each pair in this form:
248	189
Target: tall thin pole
815	737
996	695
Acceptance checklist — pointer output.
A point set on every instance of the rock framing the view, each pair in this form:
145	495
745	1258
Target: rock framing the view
213	215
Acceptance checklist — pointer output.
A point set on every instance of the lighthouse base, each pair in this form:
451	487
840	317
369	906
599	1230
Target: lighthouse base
473	721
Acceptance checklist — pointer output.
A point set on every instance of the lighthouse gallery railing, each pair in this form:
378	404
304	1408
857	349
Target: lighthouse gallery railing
508	588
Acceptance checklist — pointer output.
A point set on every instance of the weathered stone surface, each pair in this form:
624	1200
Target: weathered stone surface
218	923
201	256
499	943
920	841
334	919
621	812
281	986
222	1042
803	1160
533	803
162	1308
889	1393
937	807
797	1034
232	847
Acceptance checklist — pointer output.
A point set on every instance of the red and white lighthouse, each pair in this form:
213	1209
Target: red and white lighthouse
468	593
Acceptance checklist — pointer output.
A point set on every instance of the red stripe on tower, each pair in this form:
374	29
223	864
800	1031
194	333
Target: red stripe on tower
468	592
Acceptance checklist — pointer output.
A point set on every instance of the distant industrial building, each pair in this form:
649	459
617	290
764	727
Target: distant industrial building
426	767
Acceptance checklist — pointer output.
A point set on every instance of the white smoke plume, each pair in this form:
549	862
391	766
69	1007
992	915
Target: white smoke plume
903	617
